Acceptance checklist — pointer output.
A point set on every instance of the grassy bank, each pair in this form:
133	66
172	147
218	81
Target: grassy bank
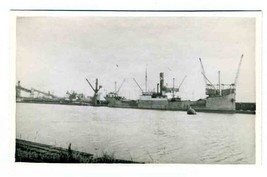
27	151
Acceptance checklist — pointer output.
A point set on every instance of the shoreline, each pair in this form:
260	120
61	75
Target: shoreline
28	151
128	107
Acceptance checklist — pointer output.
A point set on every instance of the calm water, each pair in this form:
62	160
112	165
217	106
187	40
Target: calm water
141	135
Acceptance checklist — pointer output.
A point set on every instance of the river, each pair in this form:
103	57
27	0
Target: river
149	136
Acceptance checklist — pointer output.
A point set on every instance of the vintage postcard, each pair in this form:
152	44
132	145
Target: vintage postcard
137	87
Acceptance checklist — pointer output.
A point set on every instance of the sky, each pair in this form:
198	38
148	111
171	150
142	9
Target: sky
57	53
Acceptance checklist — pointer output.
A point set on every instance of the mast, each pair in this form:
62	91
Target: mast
146	78
219	78
173	87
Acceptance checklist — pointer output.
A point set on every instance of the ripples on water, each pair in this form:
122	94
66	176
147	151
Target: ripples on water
141	135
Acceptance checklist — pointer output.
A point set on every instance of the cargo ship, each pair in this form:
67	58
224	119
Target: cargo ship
215	102
221	98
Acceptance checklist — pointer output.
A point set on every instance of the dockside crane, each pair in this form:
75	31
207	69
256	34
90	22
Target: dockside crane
19	88
44	93
96	90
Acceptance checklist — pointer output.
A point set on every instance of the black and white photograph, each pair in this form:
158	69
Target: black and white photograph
136	87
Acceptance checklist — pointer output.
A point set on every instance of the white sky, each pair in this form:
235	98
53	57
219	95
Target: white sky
57	53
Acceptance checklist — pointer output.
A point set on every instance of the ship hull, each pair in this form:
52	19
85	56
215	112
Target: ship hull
226	102
223	104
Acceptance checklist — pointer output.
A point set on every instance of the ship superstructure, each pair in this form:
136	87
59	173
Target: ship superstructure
220	96
160	100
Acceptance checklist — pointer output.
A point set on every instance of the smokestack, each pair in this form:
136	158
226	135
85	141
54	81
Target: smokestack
161	79
219	77
115	86
157	87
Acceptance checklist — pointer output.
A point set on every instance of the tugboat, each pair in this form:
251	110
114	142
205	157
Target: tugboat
191	111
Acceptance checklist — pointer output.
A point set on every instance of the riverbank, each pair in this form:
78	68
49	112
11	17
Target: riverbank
27	151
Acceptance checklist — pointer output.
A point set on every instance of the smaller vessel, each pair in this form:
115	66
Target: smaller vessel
191	111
